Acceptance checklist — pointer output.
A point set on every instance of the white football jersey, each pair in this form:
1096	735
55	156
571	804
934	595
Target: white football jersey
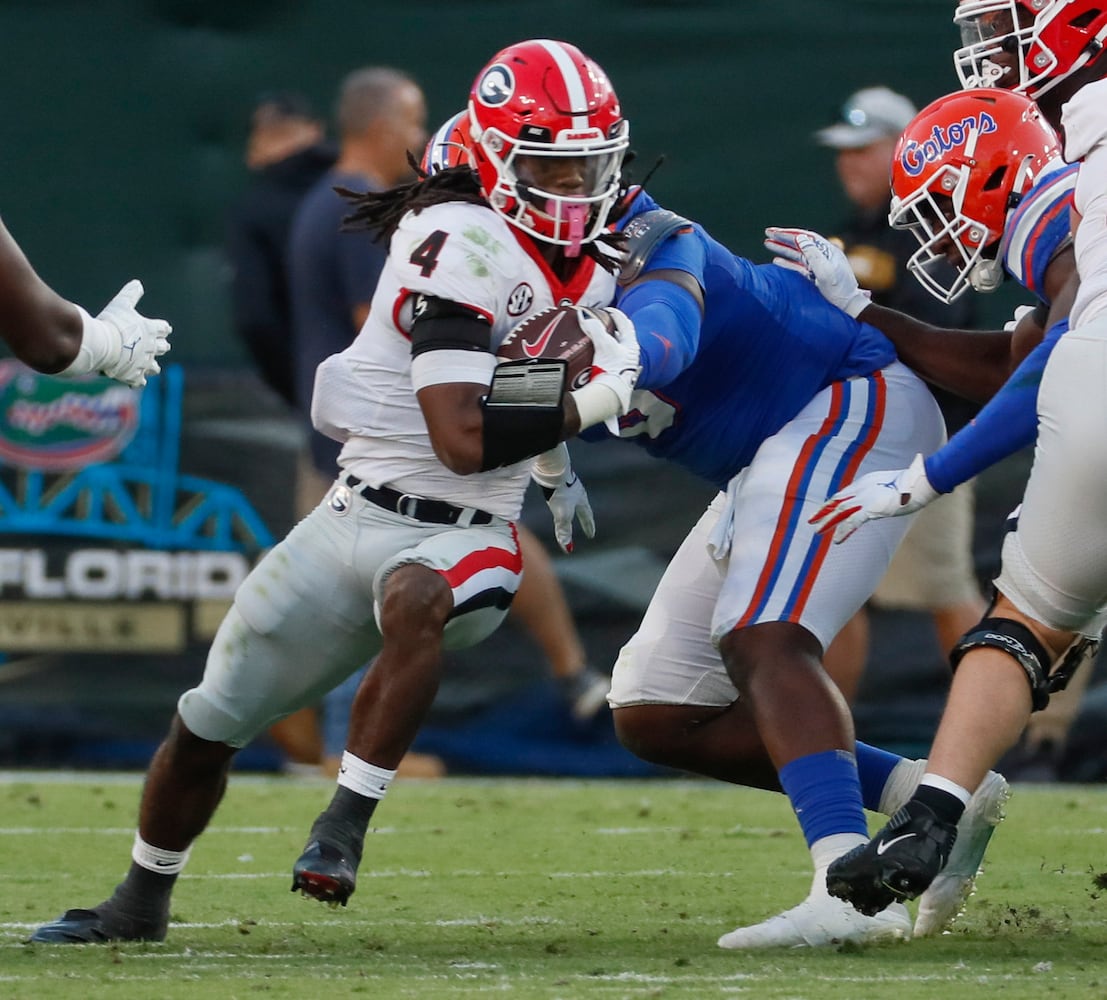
1085	126
466	254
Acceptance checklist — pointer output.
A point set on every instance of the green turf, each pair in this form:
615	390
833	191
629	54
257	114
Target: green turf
551	889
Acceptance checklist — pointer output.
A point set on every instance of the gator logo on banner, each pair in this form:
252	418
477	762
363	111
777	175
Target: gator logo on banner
57	424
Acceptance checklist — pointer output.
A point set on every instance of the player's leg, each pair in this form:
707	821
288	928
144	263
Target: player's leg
787	592
672	701
431	596
265	660
1054	580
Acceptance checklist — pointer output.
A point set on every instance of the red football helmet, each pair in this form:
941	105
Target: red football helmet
960	166
449	146
1027	45
538	109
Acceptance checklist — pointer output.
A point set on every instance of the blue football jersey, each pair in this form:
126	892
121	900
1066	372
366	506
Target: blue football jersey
1039	227
712	390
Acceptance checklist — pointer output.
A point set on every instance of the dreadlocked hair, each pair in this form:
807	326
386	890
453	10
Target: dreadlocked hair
381	211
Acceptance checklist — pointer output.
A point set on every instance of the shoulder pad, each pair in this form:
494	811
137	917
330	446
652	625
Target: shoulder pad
644	234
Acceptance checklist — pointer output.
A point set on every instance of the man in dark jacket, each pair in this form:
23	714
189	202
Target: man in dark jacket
286	153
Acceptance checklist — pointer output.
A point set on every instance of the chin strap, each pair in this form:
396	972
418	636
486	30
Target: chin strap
986	275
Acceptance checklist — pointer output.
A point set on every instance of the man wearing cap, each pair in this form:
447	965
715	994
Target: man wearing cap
932	570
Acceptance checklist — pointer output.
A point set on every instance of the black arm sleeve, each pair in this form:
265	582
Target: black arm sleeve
440	324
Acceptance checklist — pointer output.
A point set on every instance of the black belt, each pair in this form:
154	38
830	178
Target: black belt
419	508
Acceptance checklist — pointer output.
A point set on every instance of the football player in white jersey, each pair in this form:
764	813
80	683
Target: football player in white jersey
57	337
413	549
1052	588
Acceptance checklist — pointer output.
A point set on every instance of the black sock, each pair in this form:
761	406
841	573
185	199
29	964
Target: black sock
144	894
347	817
946	806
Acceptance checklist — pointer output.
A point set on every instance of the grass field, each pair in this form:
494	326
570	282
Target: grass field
551	889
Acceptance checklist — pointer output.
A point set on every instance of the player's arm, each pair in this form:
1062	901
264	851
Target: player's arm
970	363
1005	424
58	337
666	307
482	415
42	329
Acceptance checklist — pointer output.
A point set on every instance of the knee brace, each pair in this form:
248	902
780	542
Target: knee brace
1043	674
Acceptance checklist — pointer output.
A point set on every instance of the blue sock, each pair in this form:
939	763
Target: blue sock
825	792
873	768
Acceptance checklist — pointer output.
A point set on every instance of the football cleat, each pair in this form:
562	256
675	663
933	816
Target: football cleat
940	905
820	921
325	872
899	863
98	926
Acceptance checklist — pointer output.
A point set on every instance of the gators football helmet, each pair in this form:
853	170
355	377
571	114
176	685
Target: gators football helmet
960	166
449	146
1027	45
547	141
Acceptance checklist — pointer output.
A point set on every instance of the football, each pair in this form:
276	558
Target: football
552	334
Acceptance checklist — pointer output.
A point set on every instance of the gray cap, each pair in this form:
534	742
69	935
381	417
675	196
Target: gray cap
870	114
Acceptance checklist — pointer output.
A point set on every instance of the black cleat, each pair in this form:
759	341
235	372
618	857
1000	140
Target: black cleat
325	872
898	864
98	926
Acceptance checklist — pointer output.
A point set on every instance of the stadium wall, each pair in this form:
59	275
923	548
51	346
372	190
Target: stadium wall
125	119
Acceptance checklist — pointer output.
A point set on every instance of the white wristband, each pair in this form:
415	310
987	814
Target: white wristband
96	345
596	403
551	468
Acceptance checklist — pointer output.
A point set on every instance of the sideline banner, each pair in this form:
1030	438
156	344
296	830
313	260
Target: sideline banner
110	554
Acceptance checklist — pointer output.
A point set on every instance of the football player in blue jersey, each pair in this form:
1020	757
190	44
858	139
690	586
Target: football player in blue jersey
752	381
991	194
57	337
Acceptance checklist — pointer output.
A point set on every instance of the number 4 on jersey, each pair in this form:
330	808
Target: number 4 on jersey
425	256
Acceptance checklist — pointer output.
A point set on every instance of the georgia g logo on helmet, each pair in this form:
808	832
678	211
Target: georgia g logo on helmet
496	86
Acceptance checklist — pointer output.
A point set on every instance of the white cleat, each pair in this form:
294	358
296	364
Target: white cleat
819	921
941	904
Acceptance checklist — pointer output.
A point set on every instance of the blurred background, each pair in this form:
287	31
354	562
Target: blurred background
123	137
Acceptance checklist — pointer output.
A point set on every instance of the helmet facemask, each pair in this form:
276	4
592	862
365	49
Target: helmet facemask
990	30
934	213
1049	40
521	192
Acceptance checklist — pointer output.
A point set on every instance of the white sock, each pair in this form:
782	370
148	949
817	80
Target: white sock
901	785
157	859
828	849
362	777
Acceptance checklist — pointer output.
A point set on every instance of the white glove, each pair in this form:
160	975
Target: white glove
565	495
120	342
822	261
1020	313
615	367
878	494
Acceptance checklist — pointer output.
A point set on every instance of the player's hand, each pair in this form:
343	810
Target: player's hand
878	494
615	353
1021	312
134	342
821	260
567	500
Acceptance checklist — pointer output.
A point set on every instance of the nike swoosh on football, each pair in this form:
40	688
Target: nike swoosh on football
535	349
885	844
